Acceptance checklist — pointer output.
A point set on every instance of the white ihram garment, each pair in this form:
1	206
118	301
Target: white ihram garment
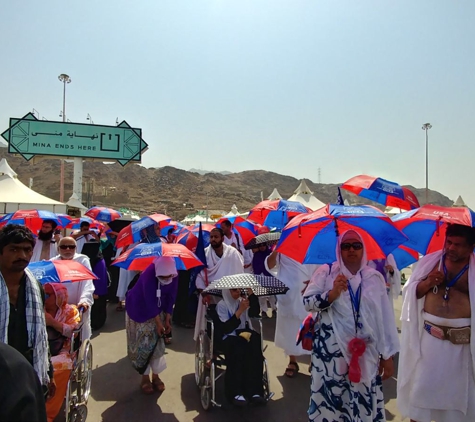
229	264
291	310
436	379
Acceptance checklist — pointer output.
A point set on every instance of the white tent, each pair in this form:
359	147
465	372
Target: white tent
459	202
305	196
392	211
74	203
15	196
234	212
274	195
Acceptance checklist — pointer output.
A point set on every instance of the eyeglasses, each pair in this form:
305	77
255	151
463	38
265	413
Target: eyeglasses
67	247
355	245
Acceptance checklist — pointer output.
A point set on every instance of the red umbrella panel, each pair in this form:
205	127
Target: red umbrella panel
103	214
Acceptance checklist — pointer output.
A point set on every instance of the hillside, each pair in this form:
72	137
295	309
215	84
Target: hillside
174	191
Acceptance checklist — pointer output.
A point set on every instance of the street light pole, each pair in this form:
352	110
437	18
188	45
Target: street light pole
426	127
65	79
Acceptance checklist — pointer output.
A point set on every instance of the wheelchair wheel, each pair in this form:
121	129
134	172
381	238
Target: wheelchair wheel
266	382
68	401
85	372
199	360
206	393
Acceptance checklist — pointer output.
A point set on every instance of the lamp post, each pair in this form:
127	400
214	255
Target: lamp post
426	127
65	79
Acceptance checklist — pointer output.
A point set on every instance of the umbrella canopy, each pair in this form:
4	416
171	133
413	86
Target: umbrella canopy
246	229
276	213
261	285
175	225
131	233
425	227
33	219
75	223
103	214
382	191
404	256
60	271
142	255
188	235
269	239
312	238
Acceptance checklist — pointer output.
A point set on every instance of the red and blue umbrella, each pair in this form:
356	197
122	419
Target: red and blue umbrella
131	233
404	256
246	229
382	191
425	227
312	238
276	213
141	256
75	223
175	225
103	214
33	219
60	271
188	235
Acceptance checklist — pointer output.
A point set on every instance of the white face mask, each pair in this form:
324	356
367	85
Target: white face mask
165	280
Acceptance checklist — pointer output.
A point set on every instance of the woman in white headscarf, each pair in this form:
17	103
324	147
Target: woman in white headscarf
355	337
149	307
241	346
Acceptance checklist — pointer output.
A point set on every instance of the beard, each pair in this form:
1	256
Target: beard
216	245
45	236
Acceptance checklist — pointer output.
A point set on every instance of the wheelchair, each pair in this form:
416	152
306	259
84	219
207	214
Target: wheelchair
210	362
79	384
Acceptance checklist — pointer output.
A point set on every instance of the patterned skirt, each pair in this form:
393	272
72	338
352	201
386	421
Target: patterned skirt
143	343
333	396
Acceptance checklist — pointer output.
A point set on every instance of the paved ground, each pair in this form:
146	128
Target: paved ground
116	396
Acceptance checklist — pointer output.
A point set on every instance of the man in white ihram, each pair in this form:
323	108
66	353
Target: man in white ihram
80	293
48	238
234	239
222	260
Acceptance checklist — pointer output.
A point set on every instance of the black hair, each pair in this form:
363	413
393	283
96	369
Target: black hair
226	222
218	229
15	233
53	223
170	231
460	230
84	223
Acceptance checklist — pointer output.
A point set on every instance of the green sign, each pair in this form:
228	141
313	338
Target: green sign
31	137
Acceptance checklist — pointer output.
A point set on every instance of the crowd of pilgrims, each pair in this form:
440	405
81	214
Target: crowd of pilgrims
353	331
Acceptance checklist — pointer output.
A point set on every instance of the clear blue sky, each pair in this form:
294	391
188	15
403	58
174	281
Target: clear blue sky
286	86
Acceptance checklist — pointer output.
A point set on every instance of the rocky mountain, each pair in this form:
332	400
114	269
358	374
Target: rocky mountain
174	191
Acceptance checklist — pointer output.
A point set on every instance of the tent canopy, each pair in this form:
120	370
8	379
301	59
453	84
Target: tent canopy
274	195
15	196
305	196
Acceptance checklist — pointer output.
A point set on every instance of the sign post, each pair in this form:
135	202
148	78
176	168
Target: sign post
31	137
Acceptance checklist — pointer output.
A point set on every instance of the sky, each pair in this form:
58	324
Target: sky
293	87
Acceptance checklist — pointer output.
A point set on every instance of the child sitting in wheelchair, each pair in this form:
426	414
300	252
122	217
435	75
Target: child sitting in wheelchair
61	320
241	346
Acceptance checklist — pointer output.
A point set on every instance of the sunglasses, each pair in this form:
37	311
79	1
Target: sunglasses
355	245
67	247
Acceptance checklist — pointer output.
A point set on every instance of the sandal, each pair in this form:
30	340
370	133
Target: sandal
158	385
292	372
167	340
120	307
147	388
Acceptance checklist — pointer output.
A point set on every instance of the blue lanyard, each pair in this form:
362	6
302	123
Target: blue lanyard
355	305
454	280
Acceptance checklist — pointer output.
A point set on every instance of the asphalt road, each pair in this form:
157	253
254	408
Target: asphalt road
116	395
